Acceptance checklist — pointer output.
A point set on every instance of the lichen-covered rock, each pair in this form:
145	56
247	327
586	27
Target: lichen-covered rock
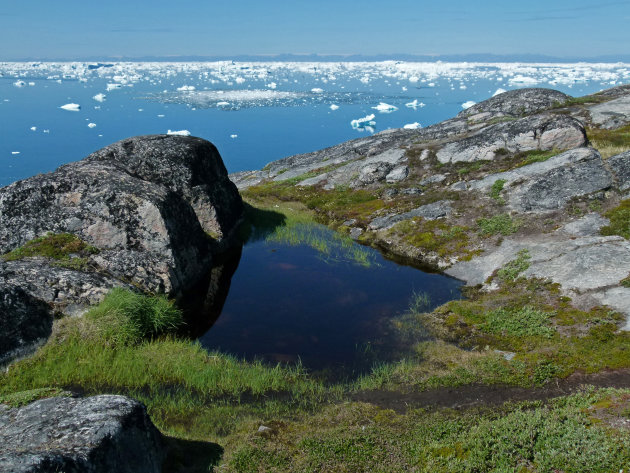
516	103
612	114
100	434
26	323
620	166
431	211
536	132
146	203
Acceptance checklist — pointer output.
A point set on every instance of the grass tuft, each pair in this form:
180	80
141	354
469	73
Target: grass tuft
619	220
499	224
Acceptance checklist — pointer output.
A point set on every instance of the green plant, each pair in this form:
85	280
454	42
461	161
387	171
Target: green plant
513	268
64	249
522	322
619	220
499	224
495	191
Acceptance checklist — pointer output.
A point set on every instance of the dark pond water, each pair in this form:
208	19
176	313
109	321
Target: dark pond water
329	308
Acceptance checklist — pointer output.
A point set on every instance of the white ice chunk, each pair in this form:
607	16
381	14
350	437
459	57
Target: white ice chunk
334	107
15	152
99	97
499	91
112	87
33	128
414	79
317	90
178	132
161	115
272	85
19	83
186	88
363	122
234	136
468	104
415	104
31	84
385	108
91	125
239	80
46	131
71	107
223	104
412	126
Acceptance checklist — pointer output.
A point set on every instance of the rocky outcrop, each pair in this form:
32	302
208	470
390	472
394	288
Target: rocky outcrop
612	114
432	211
551	184
515	103
26	323
154	209
620	166
538	132
99	434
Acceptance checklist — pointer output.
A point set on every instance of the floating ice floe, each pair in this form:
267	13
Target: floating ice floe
71	107
223	104
15	152
178	132
186	88
317	90
385	108
113	87
100	97
46	131
414	79
31	84
363	122
468	104
498	92
272	85
19	83
91	125
233	136
334	107
415	104
523	80
161	115
412	126
33	128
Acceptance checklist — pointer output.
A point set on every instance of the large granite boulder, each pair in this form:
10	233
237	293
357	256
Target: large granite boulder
146	203
99	434
516	103
26	322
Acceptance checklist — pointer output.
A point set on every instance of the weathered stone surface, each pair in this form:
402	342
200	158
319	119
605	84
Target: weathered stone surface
612	114
144	202
25	322
620	166
516	103
551	184
99	434
397	174
537	132
429	212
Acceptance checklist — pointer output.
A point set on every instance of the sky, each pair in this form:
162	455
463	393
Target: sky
76	29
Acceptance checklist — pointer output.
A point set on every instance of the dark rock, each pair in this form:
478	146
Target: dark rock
517	103
536	132
99	434
620	167
26	323
143	202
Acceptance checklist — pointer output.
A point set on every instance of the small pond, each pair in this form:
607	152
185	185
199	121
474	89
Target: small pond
303	293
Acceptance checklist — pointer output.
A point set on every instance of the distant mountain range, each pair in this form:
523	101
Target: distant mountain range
479	57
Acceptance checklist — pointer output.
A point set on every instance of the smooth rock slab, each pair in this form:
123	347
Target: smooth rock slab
611	115
429	212
620	166
516	103
537	132
99	434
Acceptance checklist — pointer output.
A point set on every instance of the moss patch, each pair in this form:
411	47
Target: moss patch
619	220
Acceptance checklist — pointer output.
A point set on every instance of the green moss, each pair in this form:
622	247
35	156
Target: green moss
501	224
64	249
495	191
513	268
625	282
433	236
22	398
619	220
523	322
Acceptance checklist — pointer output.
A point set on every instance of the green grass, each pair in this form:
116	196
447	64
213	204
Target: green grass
610	142
64	249
433	236
523	322
22	398
536	156
495	191
502	224
619	220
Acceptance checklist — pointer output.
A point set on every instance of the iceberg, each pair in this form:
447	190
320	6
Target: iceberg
415	104
234	136
178	133
499	91
91	125
468	104
334	107
33	128
15	152
385	108
71	107
317	90
113	86
19	83
363	122
412	126
186	88
223	104
99	97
